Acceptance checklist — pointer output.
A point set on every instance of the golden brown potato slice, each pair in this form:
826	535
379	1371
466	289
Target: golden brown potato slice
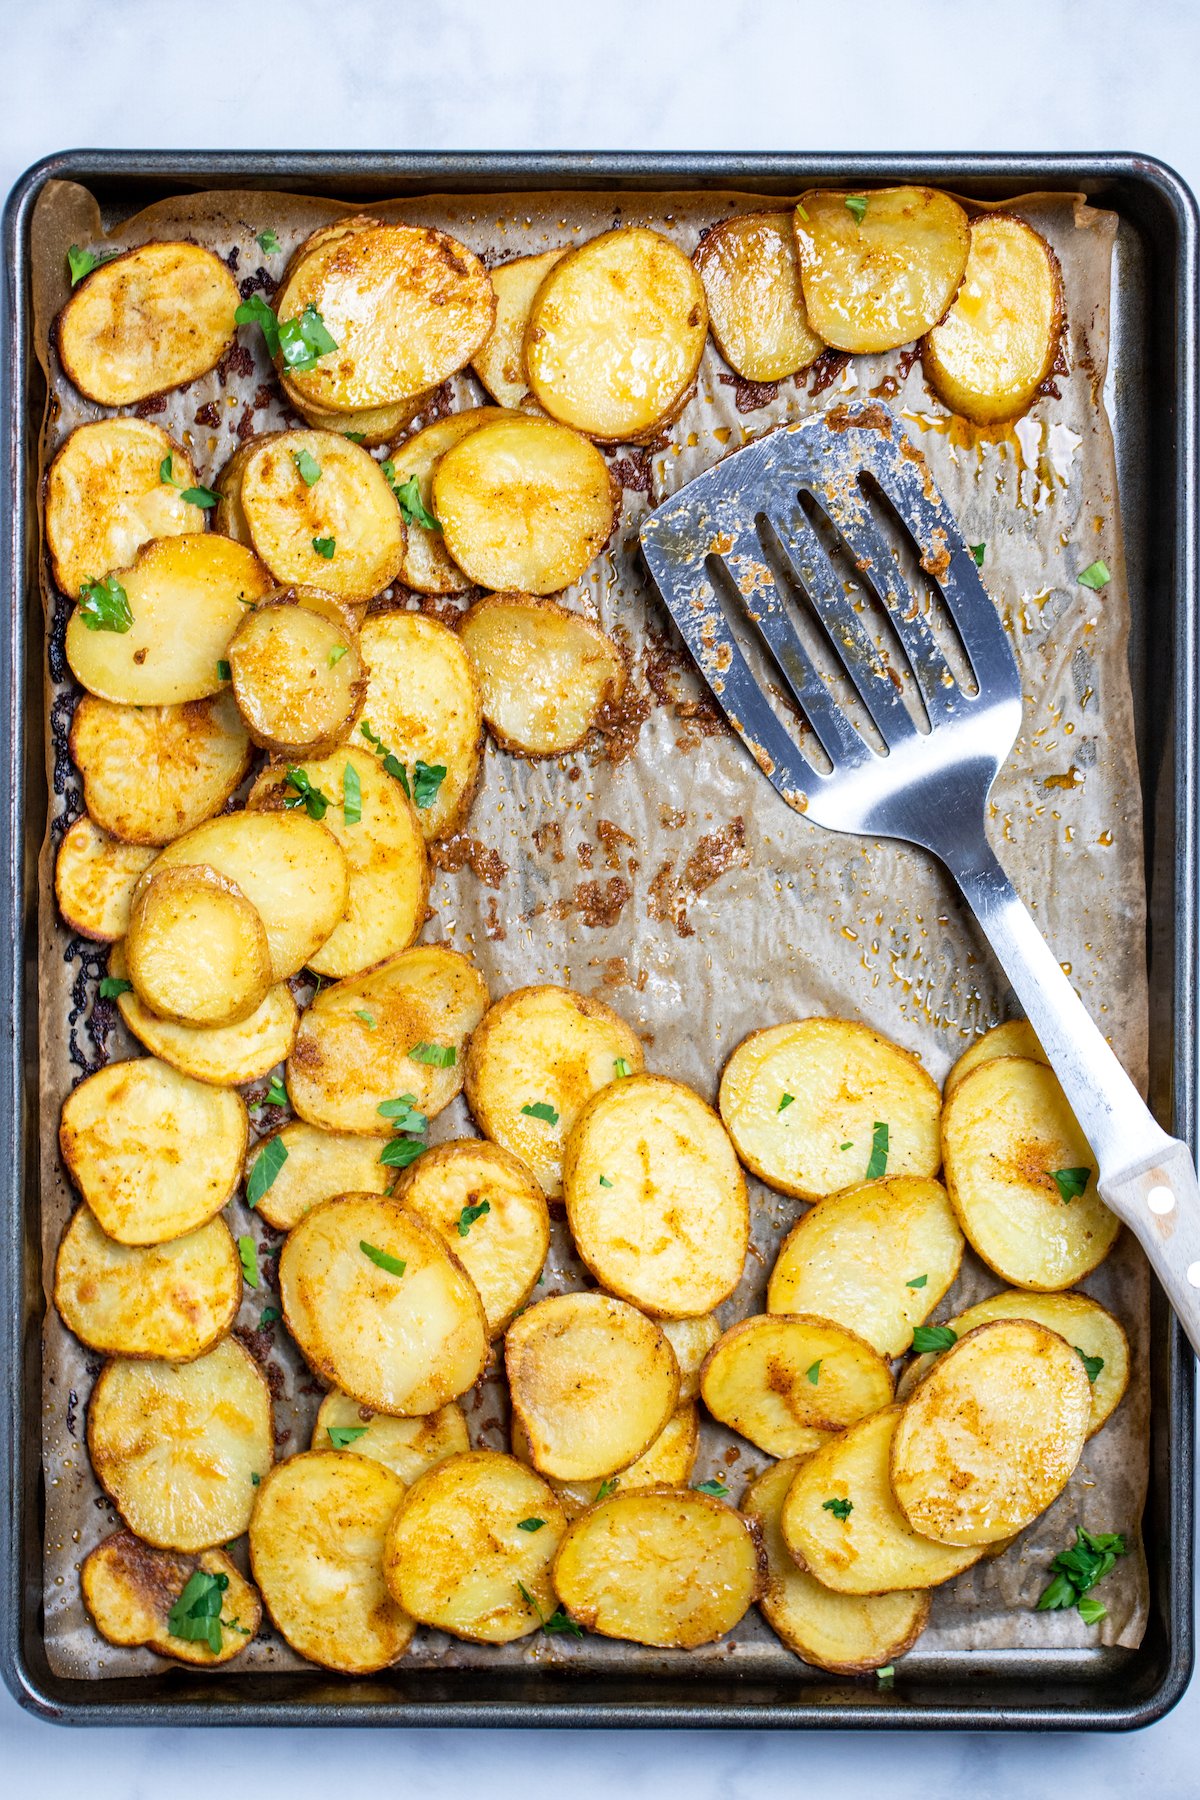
840	1520
593	1382
406	1446
492	1214
825	1104
691	1340
176	1446
153	772
197	950
427	567
149	320
997	344
1022	1176
879	269
470	1548
377	828
154	1153
665	1567
667	1463
876	1259
1015	1037
94	879
290	868
228	518
370	426
545	673
655	1197
524	504
379	1307
423	708
225	1055
105	498
848	1634
132	1593
500	364
544	1051
615	335
187	595
321	514
751	276
297	677
788	1382
355	1048
317	1165
316	1549
171	1301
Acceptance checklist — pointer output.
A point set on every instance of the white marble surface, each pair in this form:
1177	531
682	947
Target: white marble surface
875	74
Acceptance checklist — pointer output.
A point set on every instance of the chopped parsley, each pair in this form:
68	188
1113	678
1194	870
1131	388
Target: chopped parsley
621	1068
300	341
438	1056
248	1256
356	437
931	1340
202	497
267	1163
224	672
469	1214
325	547
268	1315
606	1488
307	467
365	1018
604	1181
403	1112
351	795
530	1524
342	1436
1092	1365
392	764
857	204
336	655
413	509
305	793
1076	1570
977	554
196	1615
112	985
886	1677
267	242
541	1109
82	262
917	1281
398	1152
105	605
845	1146
393	1265
410	1124
427	780
841	1509
716	1488
802	210
1070	1182
1096	575
276	1094
813	1371
785	1102
558	1620
877	1166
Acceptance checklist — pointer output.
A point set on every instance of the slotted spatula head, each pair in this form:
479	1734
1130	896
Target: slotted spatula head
832	605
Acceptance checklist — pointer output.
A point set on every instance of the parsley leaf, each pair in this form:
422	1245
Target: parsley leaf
1076	1570
224	672
469	1214
365	1018
541	1109
918	1281
392	1264
841	1509
877	1166
276	1094
1070	1182
303	340
398	1152
1091	1611
1092	1365
813	1371
413	509
857	204
886	1677
715	1487
403	1112
977	554
255	311
267	1164
787	1100
307	467
342	1436
351	794
427	780
606	1488
82	262
1096	575
848	1146
336	655
530	1524
196	1615
933	1339
267	242
202	497
356	437
268	1315
306	794
325	547
248	1255
621	1068
558	1620
112	985
105	605
392	764
604	1181
438	1056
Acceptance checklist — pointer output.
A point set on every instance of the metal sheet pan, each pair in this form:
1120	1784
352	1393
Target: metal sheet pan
1153	403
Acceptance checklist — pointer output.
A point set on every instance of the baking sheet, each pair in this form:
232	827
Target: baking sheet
660	871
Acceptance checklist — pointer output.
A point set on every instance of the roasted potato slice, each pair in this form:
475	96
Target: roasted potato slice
879	269
1016	1037
427	567
666	1567
876	1259
225	1055
990	1437
176	1446
751	276
691	1339
788	1382
153	772
500	363
492	1214
667	1463
470	1540
423	708
297	677
188	595
1022	1177
94	878
149	320
370	426
321	514
524	504
848	1634
170	1301
354	1050
997	344
154	1153
131	1591
317	1165
105	498
593	1382
655	1197
197	950
542	1051
316	1549
824	1104
379	1307
228	518
615	336
545	674
406	1446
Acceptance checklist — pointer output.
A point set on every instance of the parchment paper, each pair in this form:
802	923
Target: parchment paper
659	870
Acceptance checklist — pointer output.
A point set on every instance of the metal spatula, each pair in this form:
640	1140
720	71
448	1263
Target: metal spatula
883	703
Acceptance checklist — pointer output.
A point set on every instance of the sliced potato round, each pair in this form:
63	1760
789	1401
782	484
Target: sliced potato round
593	1382
547	1048
149	320
1007	1132
471	1539
228	518
171	1301
751	276
655	1197
545	673
317	1165
316	1549
349	510
131	1589
297	678
369	426
524	504
813	1106
406	1446
197	950
94	878
379	1307
225	1055
492	1214
153	772
667	1463
879	269
848	1634
989	1439
876	1259
427	567
105	498
615	335
423	705
788	1382
500	363
840	1520
666	1567
188	595
154	1153
691	1339
353	1051
997	344
176	1446
1015	1037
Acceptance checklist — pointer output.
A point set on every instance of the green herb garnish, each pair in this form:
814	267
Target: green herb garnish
530	1524
351	795
268	1315
1092	1365
393	1265
82	262
365	1018
196	1615
413	509
785	1102
977	554
392	764
202	497
300	341
267	1165
469	1214
325	547
403	1112
398	1152
105	605
621	1068
224	672
438	1056
918	1281
1070	1182
356	437
715	1487
813	1371
931	1340
558	1620
877	1166
606	1488
342	1436
276	1094
267	242
1076	1570
1096	575
307	467
427	780
857	204
248	1256
604	1181
886	1677
305	793
841	1509
336	655
112	985
541	1109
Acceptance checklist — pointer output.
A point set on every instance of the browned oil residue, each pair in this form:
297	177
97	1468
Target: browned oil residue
620	723
825	371
614	841
671	894
207	415
633	471
670	818
748	396
600	906
460	851
548	836
1071	779
583	851
446	612
493	928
